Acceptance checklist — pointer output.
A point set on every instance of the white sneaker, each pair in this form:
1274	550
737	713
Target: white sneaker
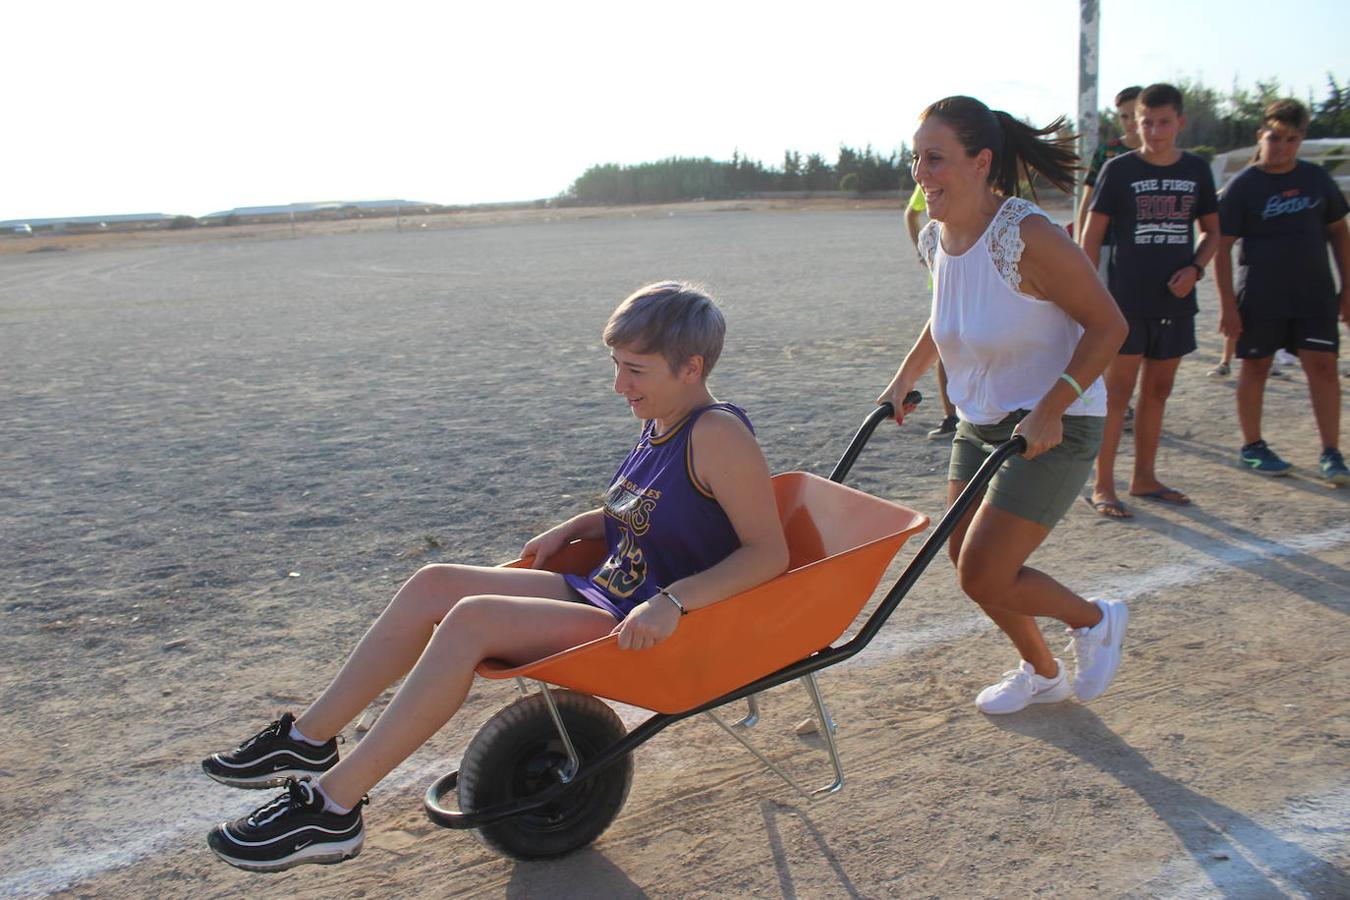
1021	687
1096	650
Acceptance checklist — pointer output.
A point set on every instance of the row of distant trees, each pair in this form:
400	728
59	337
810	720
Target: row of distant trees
681	178
1215	122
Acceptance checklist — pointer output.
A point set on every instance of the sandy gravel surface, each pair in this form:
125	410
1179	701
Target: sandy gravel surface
218	458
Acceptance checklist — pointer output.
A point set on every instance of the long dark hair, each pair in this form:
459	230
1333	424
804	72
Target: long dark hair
1019	149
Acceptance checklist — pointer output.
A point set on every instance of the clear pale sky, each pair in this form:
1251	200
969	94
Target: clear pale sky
126	106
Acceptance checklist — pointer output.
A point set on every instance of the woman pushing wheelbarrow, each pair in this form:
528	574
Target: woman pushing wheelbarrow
1024	329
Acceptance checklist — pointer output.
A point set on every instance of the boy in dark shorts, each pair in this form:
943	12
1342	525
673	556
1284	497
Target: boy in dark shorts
1150	200
1286	211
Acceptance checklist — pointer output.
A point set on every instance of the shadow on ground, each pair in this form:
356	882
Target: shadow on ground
1225	844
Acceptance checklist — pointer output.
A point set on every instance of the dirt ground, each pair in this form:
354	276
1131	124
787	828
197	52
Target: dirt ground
221	453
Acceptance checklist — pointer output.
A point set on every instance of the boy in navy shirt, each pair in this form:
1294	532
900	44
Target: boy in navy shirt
1150	200
1286	211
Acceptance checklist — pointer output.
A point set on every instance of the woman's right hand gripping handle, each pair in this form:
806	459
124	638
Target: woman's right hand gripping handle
902	398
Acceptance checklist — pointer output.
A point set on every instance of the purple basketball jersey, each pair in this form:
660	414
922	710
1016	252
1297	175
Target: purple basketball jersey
661	524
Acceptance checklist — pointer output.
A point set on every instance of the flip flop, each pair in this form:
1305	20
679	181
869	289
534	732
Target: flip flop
1109	509
1165	495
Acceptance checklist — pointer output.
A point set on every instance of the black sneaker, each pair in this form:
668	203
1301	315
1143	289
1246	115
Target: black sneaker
945	429
270	757
290	830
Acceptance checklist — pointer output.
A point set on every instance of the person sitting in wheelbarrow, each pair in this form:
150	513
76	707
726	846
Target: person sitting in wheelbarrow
689	519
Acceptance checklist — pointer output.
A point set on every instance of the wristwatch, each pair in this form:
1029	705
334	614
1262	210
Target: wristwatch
1199	271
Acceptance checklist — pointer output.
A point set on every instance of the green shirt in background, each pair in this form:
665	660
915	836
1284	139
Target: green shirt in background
917	201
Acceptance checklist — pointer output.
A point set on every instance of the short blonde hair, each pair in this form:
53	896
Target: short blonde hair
673	318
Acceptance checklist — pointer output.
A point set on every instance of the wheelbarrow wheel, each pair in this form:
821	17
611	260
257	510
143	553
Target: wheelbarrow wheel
518	753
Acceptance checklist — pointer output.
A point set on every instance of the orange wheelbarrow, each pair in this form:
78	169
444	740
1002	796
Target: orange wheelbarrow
548	774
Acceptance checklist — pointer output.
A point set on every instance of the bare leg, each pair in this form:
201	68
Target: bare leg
516	629
398	637
1229	348
1325	390
1155	386
1251	391
990	547
1120	379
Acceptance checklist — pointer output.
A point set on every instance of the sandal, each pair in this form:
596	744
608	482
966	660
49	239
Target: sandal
1109	509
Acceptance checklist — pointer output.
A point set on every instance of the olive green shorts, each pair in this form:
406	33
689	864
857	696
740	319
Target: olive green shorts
1040	489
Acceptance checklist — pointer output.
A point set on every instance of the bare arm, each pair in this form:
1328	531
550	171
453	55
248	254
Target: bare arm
729	462
913	223
1093	235
921	357
1055	269
1083	208
1183	280
1338	235
589	524
1230	322
1209	241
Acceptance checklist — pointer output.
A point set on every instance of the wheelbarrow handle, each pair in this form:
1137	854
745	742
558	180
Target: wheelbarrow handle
881	413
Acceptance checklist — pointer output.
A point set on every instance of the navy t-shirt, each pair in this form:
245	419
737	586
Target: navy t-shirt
1105	152
1153	210
1283	271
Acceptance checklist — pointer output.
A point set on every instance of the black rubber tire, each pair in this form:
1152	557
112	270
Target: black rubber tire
515	755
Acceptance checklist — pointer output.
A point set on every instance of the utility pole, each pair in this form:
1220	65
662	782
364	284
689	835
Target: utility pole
1089	31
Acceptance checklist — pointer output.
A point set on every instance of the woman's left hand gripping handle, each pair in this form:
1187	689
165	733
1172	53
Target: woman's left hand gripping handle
1041	431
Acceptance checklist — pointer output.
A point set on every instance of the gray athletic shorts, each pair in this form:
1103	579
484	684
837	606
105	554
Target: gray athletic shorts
1040	489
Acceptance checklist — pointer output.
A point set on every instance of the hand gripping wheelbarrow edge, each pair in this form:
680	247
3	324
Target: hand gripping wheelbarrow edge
549	773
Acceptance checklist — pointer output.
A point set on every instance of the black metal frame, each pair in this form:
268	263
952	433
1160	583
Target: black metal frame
816	661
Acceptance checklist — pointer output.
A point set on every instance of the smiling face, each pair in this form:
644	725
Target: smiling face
1279	146
1159	127
652	389
950	177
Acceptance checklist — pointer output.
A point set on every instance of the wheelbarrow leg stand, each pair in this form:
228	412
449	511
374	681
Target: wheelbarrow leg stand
827	731
573	761
751	717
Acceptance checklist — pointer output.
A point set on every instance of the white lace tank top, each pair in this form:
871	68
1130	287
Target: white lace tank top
1003	350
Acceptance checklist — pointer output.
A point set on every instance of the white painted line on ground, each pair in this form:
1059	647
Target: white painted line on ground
106	826
1220	560
121	824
